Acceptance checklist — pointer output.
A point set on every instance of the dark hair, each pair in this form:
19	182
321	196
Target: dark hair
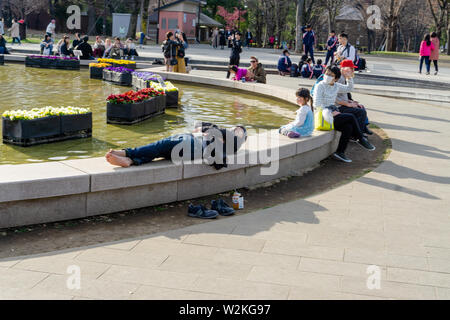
319	61
254	58
46	36
233	68
308	26
343	35
427	39
332	31
86	39
304	93
285	51
308	60
434	34
304	57
335	70
117	38
169	34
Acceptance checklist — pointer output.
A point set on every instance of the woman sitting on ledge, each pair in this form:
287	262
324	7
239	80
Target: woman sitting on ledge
200	140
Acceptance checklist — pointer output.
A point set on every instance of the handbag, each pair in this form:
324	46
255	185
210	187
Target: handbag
173	61
46	52
323	120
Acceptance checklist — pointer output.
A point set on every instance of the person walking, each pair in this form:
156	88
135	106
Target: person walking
435	53
215	38
331	47
51	28
309	41
15	35
248	38
236	50
222	39
425	52
2	26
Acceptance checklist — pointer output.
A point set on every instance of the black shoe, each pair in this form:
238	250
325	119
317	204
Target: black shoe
341	157
201	212
368	131
363	142
221	207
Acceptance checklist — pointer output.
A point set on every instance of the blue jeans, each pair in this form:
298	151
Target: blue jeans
160	149
3	50
427	63
16	39
330	55
43	48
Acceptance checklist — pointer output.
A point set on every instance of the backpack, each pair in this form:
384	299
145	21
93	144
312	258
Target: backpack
359	62
166	49
315	84
294	71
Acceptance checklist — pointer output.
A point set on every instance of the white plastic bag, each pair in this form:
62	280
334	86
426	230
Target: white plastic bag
328	115
46	52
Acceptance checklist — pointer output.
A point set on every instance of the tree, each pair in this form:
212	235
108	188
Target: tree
231	19
333	7
134	10
439	9
299	23
395	7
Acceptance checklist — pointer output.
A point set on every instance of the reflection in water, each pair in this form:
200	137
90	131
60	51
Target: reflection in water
33	87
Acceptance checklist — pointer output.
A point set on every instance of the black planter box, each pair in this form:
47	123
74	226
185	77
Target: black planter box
96	72
161	103
152	107
52	63
76	123
172	99
2	59
128	114
27	133
123	79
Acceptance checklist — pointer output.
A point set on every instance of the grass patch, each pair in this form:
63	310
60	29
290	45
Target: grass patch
27	40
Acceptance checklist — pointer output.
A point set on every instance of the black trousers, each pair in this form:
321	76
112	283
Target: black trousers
436	67
348	125
359	113
234	61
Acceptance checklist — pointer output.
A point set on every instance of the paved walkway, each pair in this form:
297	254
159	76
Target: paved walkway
396	218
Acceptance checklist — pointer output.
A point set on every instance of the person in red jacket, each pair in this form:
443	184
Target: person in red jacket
425	52
435	53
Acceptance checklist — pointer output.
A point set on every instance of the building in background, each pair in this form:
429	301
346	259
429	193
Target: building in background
183	15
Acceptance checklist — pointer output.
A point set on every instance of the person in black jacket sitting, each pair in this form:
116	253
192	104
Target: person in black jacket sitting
3	49
85	49
65	50
207	142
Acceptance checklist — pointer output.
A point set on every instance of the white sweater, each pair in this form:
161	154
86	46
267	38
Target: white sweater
325	95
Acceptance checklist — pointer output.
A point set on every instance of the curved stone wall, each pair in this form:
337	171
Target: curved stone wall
57	191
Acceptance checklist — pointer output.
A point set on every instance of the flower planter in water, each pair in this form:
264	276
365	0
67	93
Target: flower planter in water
128	66
2	59
123	79
76	123
172	99
133	113
27	133
55	63
68	64
106	75
96	72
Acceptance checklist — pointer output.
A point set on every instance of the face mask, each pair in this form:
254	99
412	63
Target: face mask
328	79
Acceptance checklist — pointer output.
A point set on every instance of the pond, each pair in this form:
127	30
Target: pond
26	88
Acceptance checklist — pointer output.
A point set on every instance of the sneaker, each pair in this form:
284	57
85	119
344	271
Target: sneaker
436	73
341	157
201	212
363	142
293	135
428	73
222	207
368	131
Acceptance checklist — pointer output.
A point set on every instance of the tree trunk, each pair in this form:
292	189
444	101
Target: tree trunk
448	30
133	20
51	8
299	23
91	18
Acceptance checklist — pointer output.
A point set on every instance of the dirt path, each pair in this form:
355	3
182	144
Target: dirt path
136	223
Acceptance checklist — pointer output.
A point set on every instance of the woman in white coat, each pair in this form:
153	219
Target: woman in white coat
15	35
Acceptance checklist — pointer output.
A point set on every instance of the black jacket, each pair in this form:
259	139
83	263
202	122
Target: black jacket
86	50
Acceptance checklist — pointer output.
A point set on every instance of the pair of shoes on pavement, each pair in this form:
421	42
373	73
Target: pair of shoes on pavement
363	142
218	207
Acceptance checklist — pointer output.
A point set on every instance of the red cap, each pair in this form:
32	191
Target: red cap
348	64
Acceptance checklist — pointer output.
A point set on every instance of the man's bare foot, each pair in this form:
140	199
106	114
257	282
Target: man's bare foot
118	160
120	153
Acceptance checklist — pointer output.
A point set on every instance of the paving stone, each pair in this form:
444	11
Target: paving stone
297	293
257	259
145	276
20	279
175	249
242	289
303	250
226	241
156	293
388	289
229	269
338	268
419	277
89	288
294	278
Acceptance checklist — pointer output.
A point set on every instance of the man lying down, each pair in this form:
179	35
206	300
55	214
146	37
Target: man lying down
207	143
